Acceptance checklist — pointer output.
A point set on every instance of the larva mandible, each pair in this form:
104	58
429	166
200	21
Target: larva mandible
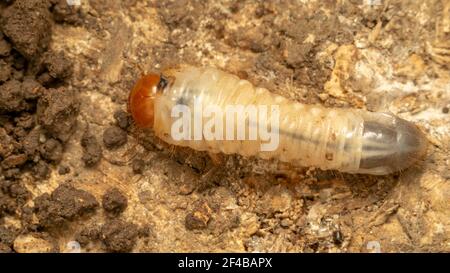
347	140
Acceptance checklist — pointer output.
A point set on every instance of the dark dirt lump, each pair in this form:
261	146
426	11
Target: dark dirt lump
7	205
41	170
87	235
92	150
53	66
52	150
57	112
114	201
7	237
14	161
138	166
114	137
5	71
63	169
12	97
123	119
119	236
65	203
27	23
65	13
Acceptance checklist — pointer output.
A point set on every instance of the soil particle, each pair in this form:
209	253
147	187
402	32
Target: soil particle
28	220
52	150
200	162
65	203
65	13
174	13
7	144
5	47
7	236
114	137
12	98
25	121
17	191
337	237
14	161
138	166
31	89
27	23
92	150
114	201
276	199
57	111
5	248
12	173
187	179
87	235
123	119
63	169
5	71
41	170
53	65
119	236
296	54
199	217
254	39
144	231
19	63
286	223
34	243
7	205
31	142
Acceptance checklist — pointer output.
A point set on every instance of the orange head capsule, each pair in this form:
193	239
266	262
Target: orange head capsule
141	99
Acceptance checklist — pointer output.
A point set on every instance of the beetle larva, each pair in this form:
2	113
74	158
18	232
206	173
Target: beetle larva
347	140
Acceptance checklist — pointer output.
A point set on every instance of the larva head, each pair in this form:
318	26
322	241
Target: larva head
142	97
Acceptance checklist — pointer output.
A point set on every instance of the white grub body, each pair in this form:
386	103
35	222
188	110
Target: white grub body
347	140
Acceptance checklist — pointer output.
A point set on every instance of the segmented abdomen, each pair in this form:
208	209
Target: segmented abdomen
309	135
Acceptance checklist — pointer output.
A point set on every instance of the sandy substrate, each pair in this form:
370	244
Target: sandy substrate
76	175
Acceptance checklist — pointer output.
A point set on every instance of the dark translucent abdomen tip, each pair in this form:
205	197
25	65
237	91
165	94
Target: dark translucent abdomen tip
390	144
